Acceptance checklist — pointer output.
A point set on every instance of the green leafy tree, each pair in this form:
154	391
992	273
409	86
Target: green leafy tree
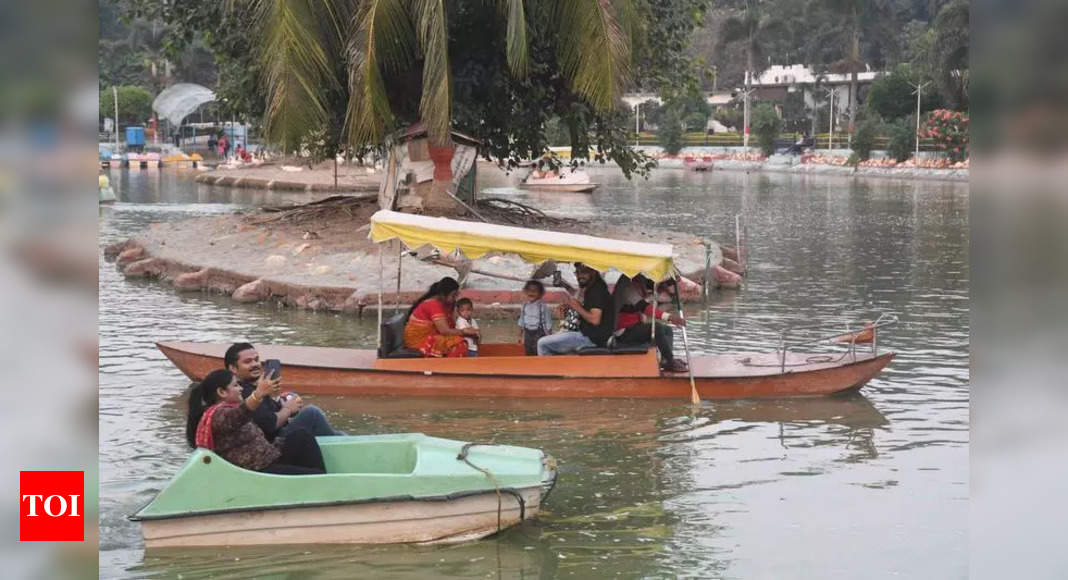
864	140
949	53
754	27
135	105
730	117
893	96
670	132
902	139
766	125
652	114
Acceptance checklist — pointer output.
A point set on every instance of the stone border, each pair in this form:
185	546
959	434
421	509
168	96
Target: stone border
915	173
134	260
274	184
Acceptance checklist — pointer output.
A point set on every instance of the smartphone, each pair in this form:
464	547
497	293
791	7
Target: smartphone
273	368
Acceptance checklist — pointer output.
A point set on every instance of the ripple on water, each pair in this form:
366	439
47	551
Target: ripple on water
871	484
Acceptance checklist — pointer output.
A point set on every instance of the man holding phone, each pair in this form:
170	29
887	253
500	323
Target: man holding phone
274	416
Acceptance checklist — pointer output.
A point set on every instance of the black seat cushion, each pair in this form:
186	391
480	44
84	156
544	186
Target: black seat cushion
392	332
405	353
593	350
633	348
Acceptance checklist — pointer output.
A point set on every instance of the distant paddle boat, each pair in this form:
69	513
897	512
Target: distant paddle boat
568	180
502	370
378	489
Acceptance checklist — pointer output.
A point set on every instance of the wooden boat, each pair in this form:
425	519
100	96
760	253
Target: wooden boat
501	370
378	489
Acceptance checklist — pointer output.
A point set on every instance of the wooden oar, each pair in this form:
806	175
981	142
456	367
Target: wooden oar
694	397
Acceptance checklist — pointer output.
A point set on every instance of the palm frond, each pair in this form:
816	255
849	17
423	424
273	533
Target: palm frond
380	41
297	67
435	107
594	49
516	36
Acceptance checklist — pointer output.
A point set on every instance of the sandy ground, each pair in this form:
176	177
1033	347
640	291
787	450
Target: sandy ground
348	176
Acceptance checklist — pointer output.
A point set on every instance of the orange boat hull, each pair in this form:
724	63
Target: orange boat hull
333	371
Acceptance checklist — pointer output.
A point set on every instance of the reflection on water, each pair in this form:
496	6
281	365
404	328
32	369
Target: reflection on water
873	484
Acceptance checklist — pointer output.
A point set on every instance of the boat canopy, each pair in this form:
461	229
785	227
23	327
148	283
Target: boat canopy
477	239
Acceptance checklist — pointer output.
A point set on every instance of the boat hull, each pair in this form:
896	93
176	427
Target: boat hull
351	372
568	187
390	522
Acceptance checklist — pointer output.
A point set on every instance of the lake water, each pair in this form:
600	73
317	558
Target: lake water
873	485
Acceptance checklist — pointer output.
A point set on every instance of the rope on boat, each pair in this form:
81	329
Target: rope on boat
496	486
811	360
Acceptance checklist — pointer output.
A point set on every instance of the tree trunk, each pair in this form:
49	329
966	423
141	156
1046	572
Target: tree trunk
854	63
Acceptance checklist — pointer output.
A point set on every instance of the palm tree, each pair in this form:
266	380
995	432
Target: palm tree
860	13
314	48
755	26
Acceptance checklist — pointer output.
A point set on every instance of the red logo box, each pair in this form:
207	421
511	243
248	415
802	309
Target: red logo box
51	506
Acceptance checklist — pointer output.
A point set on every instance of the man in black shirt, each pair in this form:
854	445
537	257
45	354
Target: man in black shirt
272	416
597	316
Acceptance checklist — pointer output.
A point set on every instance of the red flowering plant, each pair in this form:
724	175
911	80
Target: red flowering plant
949	130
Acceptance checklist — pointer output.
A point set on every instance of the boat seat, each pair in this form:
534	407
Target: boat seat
392	334
639	348
405	353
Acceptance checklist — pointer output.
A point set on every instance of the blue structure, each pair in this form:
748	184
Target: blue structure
135	138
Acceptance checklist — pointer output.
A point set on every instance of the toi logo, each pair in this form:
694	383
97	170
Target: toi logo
51	506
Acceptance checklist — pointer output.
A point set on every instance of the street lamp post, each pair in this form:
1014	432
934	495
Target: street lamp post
637	124
830	120
918	92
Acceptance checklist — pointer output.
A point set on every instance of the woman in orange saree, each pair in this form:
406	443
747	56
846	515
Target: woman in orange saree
431	328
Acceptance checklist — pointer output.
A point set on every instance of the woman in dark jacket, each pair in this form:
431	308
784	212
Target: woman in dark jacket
220	420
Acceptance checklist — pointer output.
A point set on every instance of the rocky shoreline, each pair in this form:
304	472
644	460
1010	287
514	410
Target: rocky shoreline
327	263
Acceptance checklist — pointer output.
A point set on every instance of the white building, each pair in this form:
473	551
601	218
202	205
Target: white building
776	82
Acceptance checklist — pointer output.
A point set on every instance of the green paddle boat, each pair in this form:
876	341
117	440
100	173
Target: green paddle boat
378	489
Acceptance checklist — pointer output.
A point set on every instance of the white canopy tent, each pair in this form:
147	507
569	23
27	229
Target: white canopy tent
178	101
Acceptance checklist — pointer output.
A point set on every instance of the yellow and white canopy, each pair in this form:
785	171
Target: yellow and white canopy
476	239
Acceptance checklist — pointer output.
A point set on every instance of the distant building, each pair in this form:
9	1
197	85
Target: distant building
776	82
715	99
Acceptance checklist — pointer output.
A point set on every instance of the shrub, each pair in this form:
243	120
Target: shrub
766	124
730	117
949	129
864	138
670	132
902	139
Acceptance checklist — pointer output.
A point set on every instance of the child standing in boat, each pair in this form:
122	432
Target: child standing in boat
535	320
465	310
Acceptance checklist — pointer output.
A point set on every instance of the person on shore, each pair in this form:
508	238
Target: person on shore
220	419
276	418
431	328
636	315
596	316
535	320
465	310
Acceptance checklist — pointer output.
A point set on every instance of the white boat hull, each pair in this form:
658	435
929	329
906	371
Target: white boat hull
572	187
391	522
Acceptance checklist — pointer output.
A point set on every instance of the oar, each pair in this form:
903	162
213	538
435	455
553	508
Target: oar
694	397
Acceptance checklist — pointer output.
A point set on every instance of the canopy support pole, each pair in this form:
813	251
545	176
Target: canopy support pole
652	325
381	283
400	254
